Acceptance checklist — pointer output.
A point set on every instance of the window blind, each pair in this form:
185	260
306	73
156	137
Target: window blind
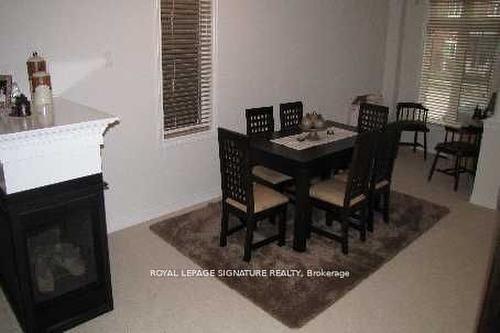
186	57
459	58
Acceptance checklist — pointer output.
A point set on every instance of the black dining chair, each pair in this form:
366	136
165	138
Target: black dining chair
372	117
347	198
383	167
412	117
241	196
463	144
260	123
291	116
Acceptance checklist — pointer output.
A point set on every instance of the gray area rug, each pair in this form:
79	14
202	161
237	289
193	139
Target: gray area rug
296	300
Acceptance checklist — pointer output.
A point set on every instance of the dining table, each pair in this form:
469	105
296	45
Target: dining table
304	165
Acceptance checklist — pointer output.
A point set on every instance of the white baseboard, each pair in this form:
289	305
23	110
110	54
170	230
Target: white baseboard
117	223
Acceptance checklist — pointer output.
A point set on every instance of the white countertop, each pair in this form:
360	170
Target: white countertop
66	114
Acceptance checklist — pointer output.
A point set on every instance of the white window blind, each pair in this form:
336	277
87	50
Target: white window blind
460	52
186	56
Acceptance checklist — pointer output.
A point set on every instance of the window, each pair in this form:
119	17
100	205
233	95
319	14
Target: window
186	58
460	52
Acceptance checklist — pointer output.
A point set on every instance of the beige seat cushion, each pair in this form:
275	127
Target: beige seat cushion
333	192
269	175
342	177
263	197
381	184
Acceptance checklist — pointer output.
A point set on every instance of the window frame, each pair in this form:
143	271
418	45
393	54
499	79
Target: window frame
207	130
459	111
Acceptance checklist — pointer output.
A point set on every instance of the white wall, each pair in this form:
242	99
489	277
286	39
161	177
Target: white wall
103	53
323	52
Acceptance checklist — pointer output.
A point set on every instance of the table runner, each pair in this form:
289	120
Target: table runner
293	142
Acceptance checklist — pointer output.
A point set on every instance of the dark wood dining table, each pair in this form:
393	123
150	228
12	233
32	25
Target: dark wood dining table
303	165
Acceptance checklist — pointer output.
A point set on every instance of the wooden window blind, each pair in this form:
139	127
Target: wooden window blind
459	58
186	57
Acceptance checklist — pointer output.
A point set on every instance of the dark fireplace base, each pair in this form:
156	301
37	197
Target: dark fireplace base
54	262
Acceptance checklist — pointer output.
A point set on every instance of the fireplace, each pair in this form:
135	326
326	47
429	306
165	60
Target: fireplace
54	263
56	274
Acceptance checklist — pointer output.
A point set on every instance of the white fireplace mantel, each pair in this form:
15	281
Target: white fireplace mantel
43	150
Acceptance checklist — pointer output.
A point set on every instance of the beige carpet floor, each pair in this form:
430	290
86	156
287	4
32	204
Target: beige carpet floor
436	284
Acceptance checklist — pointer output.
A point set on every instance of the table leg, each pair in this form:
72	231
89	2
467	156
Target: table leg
302	210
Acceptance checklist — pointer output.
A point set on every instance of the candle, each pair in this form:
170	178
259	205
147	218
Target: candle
42	89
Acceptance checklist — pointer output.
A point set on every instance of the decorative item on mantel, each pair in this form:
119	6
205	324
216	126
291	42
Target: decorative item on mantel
40	85
21	107
5	92
42	90
35	64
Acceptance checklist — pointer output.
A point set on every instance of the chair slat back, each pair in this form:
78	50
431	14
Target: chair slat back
469	134
412	111
386	154
372	117
361	166
291	116
260	121
234	155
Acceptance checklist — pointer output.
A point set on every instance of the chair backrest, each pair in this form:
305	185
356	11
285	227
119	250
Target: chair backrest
234	155
260	121
291	116
386	154
411	111
372	117
469	134
361	166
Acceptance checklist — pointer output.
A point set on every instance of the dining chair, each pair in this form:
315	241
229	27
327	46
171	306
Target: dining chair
383	167
372	117
242	197
291	116
462	143
413	118
349	197
260	123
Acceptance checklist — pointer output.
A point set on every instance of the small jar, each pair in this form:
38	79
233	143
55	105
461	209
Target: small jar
42	89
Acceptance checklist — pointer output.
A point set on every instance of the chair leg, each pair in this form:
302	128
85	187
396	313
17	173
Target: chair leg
364	217
249	239
282	227
308	213
415	139
224	226
433	168
329	219
425	146
457	172
387	201
371	210
345	232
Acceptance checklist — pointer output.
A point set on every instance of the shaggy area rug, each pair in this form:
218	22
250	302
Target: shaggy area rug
294	300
